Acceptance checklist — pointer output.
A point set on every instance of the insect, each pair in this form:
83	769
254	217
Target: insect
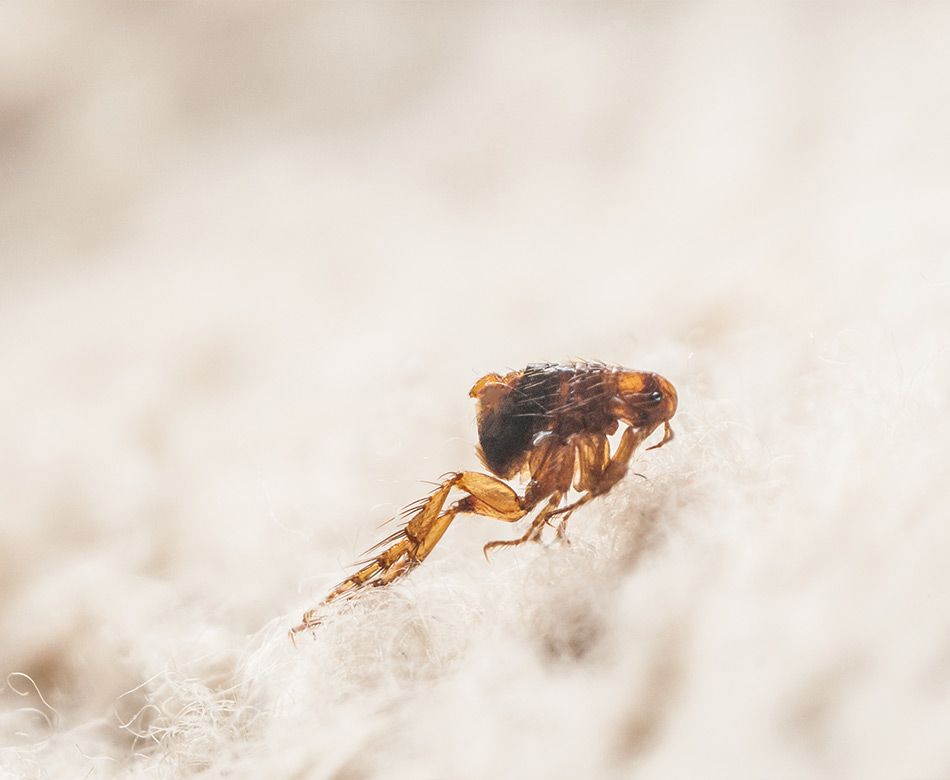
548	422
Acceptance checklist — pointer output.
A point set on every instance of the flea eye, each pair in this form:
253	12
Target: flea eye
656	396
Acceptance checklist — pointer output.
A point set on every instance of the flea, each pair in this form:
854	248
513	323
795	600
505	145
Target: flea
548	423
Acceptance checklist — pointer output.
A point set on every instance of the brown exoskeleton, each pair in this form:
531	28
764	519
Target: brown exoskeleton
548	422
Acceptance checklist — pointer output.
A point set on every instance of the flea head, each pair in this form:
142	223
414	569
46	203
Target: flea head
646	400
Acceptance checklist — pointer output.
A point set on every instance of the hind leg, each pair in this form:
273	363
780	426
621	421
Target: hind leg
408	547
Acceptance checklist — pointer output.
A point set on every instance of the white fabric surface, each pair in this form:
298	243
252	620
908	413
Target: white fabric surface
253	256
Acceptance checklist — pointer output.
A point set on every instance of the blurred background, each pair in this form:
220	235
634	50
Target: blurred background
252	257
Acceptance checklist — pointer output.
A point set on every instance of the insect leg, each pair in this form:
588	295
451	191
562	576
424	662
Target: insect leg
592	458
552	467
616	467
533	534
598	473
408	547
593	455
396	559
378	569
487	496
